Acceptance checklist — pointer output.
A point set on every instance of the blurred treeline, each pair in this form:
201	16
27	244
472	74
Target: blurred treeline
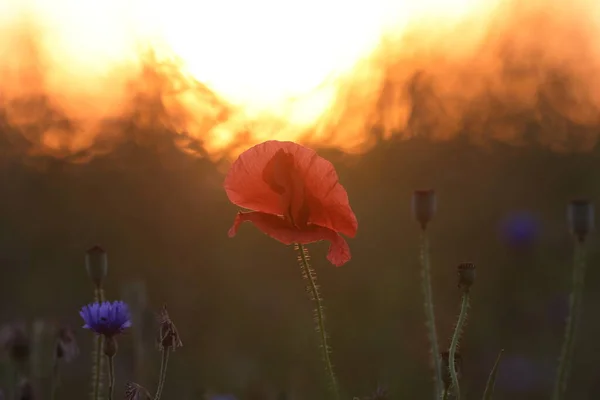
240	304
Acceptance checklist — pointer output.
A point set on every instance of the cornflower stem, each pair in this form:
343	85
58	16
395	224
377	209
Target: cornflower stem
575	308
310	275
164	361
55	378
98	366
111	376
462	317
429	313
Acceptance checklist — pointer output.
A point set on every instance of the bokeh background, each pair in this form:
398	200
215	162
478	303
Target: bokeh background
240	305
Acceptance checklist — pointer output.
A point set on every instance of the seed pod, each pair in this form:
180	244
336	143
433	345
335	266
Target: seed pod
466	275
96	263
580	215
424	205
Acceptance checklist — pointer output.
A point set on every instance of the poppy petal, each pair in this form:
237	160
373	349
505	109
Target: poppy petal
282	231
328	200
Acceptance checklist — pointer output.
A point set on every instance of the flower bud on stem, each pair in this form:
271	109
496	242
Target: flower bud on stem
168	340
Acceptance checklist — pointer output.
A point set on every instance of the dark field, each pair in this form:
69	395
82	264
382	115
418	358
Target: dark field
240	306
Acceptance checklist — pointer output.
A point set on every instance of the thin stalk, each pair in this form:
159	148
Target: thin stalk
111	377
575	309
310	275
98	350
429	313
491	382
462	317
164	361
15	375
55	378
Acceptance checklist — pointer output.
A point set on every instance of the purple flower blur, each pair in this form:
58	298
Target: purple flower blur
108	319
520	230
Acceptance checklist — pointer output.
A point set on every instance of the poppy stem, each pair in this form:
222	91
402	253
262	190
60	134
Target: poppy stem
98	365
462	317
313	289
575	307
429	313
446	394
164	361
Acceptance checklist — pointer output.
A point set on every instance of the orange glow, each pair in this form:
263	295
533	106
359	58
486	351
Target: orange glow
80	75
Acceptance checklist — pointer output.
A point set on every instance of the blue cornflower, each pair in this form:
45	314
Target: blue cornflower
106	318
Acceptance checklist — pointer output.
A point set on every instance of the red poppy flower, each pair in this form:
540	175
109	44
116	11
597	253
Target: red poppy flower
295	197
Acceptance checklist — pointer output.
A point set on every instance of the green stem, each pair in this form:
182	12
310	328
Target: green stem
446	394
15	375
429	313
575	306
55	378
313	290
98	366
163	373
491	382
111	377
464	309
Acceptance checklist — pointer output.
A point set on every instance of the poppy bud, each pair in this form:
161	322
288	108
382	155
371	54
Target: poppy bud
580	215
466	275
96	263
424	206
446	367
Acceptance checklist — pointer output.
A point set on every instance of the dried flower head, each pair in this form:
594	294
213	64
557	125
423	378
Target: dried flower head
466	275
580	215
106	318
133	391
66	345
380	393
446	368
424	206
15	341
168	336
96	263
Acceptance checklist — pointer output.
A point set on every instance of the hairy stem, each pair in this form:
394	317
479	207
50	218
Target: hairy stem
429	313
464	309
111	377
98	365
164	361
575	306
313	290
